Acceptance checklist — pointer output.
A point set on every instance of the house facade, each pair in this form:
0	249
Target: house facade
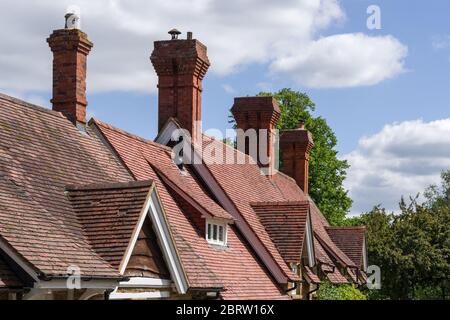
89	211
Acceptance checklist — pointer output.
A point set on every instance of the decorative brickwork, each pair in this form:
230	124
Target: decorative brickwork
181	66
258	113
295	146
70	49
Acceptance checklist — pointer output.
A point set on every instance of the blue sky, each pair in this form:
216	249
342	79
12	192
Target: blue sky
423	91
369	117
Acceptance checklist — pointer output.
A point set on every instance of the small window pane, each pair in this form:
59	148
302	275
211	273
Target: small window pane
209	232
220	233
215	232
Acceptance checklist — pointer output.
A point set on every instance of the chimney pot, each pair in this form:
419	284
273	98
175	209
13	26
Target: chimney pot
174	33
301	125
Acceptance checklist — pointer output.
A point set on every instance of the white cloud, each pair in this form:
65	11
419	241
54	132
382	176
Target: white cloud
440	42
345	60
237	33
228	89
401	160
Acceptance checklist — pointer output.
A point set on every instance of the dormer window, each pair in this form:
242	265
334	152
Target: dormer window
216	233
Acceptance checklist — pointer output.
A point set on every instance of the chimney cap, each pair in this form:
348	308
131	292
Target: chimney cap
174	33
258	103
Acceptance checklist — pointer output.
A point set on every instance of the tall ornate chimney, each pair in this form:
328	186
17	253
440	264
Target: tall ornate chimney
295	146
181	66
260	114
70	48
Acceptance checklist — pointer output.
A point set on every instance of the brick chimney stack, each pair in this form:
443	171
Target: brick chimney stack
70	48
295	146
181	66
259	113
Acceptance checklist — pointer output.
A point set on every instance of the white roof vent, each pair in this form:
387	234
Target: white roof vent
73	18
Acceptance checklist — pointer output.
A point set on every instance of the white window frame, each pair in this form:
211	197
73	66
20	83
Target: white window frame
218	224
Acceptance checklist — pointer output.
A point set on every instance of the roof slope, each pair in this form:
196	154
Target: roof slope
255	187
8	279
327	265
320	225
204	266
350	240
286	224
235	268
40	153
109	214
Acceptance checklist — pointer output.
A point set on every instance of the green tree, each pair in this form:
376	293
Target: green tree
329	291
326	171
412	248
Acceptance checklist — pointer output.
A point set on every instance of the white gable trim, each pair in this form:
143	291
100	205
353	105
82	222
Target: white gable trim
364	253
139	295
161	227
310	240
135	235
153	209
18	260
142	282
165	135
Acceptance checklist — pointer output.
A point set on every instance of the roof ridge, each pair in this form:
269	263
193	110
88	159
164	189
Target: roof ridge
26	104
110	186
128	134
279	203
283	175
344	228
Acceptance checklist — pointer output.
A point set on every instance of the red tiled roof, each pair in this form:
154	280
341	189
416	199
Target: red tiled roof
109	213
183	188
333	274
255	187
319	226
350	240
40	153
244	184
234	268
286	224
327	265
311	275
8	279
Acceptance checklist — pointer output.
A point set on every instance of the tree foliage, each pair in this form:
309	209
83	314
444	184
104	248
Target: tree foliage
329	291
326	171
412	248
